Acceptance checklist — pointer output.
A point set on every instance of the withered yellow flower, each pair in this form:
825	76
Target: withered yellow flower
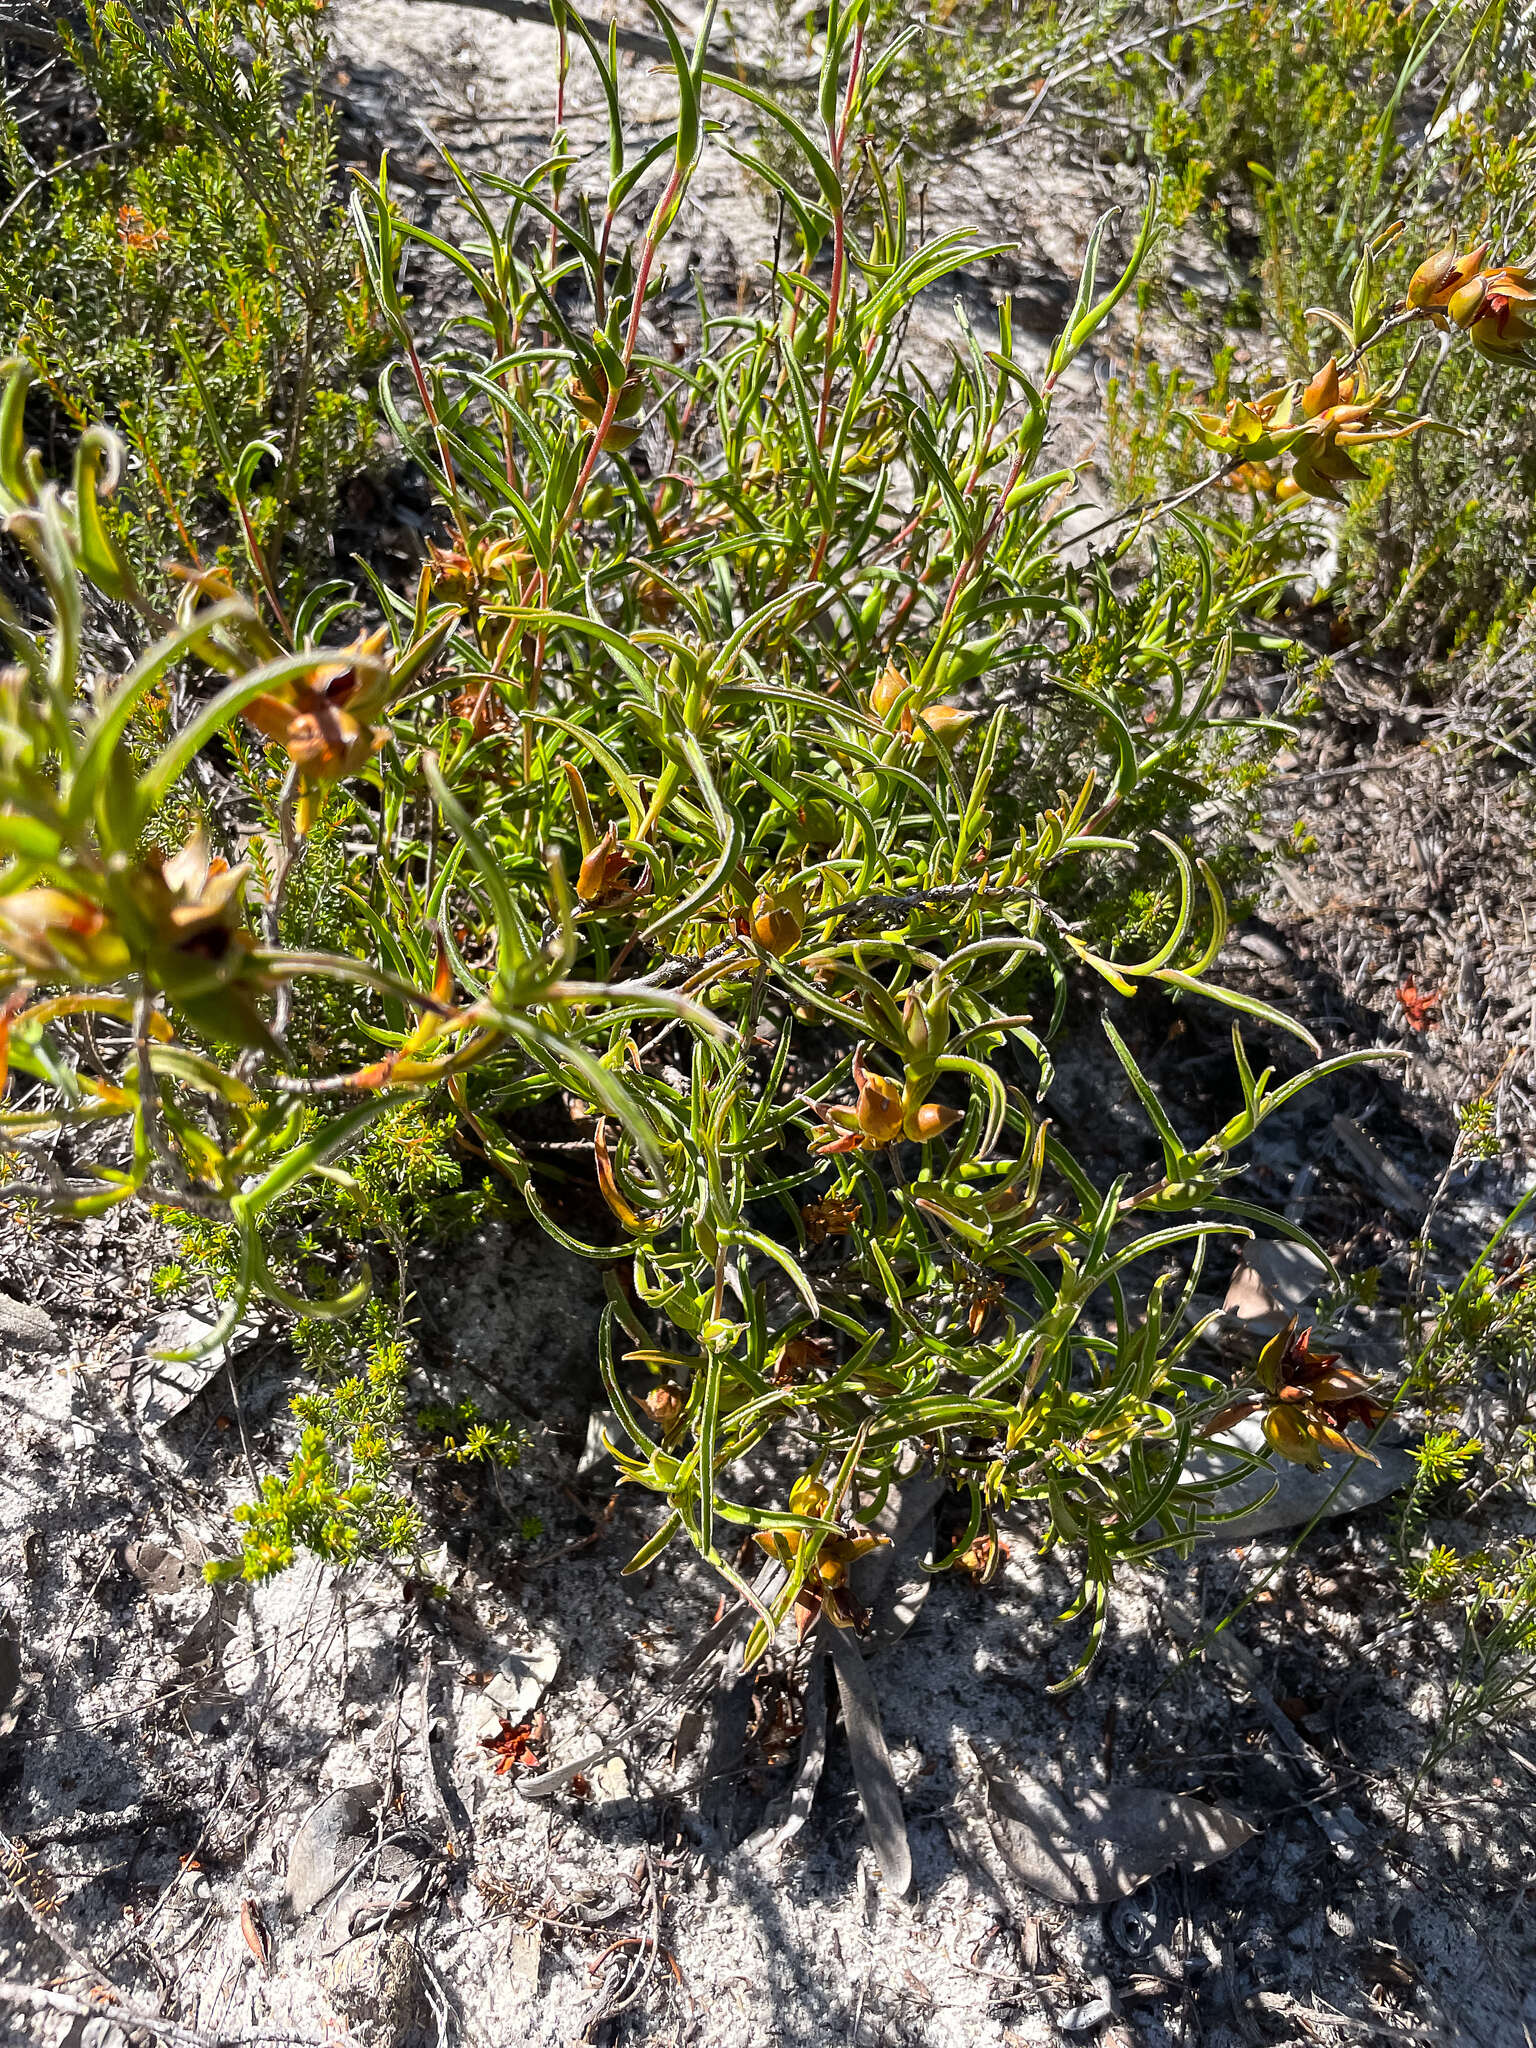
1309	1400
63	937
328	721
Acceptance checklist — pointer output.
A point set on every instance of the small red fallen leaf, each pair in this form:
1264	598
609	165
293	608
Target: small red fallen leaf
1419	1005
581	1787
516	1747
252	1926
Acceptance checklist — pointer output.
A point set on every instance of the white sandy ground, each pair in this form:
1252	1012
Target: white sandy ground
151	1790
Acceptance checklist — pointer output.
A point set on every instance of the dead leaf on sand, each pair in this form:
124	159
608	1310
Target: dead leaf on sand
1101	1846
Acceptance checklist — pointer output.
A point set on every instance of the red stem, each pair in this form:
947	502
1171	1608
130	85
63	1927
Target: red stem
836	141
631	339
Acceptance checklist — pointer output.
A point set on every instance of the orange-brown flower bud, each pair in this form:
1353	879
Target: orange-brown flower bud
602	871
1438	276
925	1121
1464	304
1323	391
776	924
882	698
1431	276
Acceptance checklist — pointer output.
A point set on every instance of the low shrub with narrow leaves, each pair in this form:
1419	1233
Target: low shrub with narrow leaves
742	791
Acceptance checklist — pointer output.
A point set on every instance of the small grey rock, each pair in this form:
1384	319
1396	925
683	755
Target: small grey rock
25	1328
162	1385
524	1956
329	1839
1082	2019
372	1983
602	1424
1275	1279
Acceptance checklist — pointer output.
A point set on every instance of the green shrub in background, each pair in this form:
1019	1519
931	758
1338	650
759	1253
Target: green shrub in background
744	788
1292	133
189	275
1473	1376
1284	136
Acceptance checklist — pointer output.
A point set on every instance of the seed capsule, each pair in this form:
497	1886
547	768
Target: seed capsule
776	925
664	1405
943	725
926	1121
879	1109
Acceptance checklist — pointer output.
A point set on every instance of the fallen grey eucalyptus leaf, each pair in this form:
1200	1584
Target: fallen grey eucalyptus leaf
891	1581
1103	1845
327	1842
879	1794
1081	2019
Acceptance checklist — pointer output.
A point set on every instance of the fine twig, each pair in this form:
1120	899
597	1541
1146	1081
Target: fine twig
36	1998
